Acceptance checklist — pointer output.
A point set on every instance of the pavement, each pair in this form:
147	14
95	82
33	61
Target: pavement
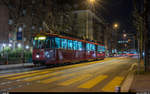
141	80
14	66
141	83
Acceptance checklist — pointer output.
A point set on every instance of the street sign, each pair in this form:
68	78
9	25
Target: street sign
19	35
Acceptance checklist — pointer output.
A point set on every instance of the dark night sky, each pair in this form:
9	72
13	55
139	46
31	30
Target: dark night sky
119	11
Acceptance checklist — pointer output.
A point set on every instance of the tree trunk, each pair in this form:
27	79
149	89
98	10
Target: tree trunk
146	10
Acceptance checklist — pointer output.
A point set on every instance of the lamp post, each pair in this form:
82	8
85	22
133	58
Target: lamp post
115	27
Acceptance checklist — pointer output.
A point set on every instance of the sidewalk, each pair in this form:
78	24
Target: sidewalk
12	66
141	83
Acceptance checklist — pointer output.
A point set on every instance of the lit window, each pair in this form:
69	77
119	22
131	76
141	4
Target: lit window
57	42
79	45
75	46
64	43
70	44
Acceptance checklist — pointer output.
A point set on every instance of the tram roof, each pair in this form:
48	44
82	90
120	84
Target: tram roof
66	37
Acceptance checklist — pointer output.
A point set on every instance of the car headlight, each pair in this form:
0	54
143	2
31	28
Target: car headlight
37	56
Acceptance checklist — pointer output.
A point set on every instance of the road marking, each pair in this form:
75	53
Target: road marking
43	76
28	75
91	83
50	80
68	75
79	65
57	68
76	79
110	87
16	74
56	73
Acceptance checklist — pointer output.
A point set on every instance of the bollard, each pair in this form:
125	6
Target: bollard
117	89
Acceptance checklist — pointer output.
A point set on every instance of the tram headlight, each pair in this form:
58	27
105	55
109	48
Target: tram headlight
37	56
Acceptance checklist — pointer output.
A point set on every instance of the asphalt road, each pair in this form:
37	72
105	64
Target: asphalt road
95	76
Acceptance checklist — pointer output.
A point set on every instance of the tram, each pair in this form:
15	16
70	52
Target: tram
50	49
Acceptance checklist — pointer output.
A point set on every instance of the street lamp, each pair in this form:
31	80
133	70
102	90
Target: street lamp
4	45
27	47
20	29
19	45
91	1
91	4
10	45
116	26
124	35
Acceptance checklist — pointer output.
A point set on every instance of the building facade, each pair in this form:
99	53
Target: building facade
4	27
88	26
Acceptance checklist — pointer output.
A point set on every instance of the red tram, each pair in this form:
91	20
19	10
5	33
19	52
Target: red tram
51	49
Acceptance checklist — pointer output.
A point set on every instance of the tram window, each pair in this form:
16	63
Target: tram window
93	47
35	43
88	47
52	43
64	43
98	49
101	49
70	44
57	42
80	46
75	45
48	43
41	44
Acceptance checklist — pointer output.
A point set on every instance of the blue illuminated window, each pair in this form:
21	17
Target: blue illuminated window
75	45
34	43
70	44
64	43
57	42
101	48
80	46
88	47
93	47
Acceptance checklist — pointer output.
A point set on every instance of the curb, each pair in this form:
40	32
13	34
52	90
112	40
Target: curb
125	86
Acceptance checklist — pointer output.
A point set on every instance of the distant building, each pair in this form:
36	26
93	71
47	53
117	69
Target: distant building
126	44
111	37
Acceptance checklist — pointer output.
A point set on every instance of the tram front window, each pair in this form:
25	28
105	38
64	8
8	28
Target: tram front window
44	43
39	44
